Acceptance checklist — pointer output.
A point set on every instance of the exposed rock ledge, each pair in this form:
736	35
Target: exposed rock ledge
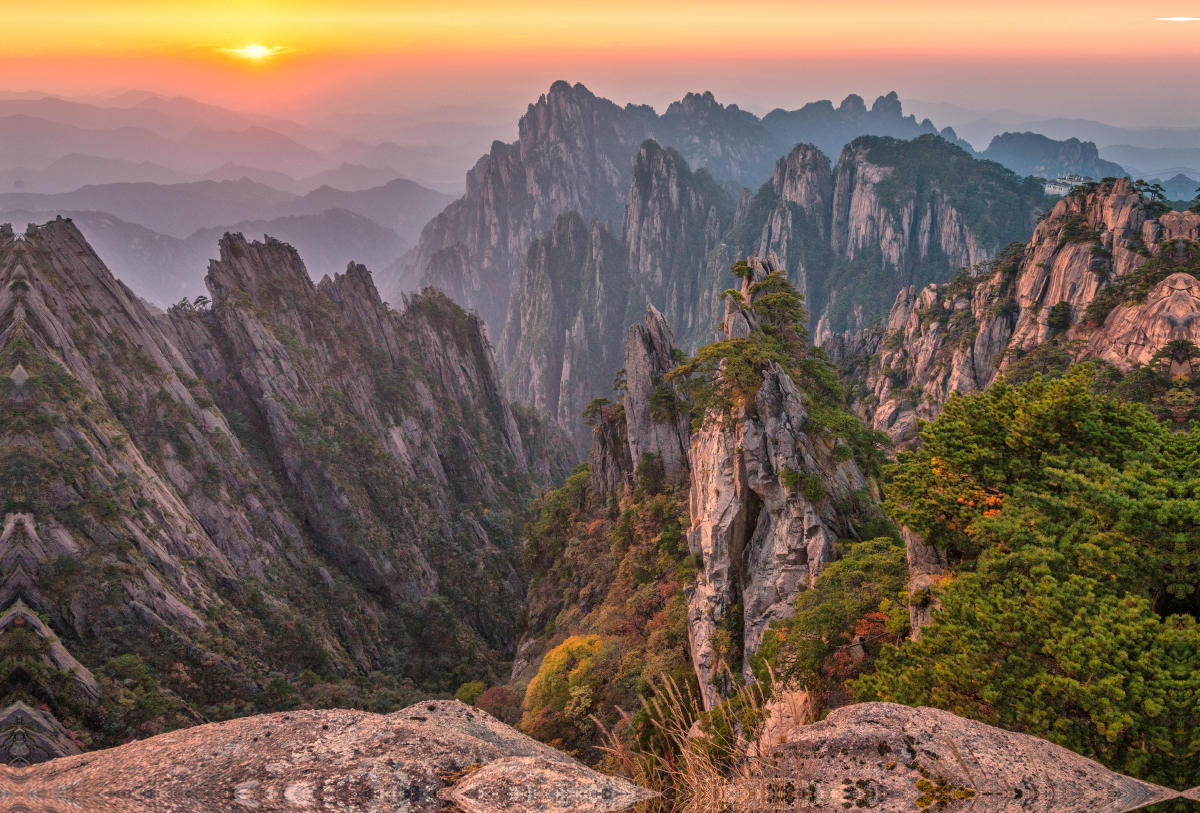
877	756
886	757
349	761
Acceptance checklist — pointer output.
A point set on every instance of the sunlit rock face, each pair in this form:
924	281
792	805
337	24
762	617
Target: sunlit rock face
760	541
1132	334
1095	246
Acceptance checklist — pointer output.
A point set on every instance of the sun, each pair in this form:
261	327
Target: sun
255	52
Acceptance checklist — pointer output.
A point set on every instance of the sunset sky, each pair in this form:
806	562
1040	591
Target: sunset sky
1101	59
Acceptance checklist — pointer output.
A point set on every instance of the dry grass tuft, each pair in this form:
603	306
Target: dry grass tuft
719	766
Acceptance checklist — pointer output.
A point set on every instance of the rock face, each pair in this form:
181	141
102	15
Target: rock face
890	215
1090	249
510	248
320	760
1132	334
580	287
29	736
565	321
673	220
893	228
927	566
880	756
761	535
1101	279
863	218
657	425
287	480
576	152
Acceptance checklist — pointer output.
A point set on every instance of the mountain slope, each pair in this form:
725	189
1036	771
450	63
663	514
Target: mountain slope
576	152
891	213
908	213
211	502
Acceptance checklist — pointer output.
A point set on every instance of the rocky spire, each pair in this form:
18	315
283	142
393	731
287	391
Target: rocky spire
658	426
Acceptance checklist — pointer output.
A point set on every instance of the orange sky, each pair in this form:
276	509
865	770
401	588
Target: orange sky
191	46
1013	27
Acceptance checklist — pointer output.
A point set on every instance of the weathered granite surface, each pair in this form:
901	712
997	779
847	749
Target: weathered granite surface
537	783
885	757
961	336
348	761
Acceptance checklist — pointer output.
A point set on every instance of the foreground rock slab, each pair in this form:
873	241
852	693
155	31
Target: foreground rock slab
537	784
885	757
349	761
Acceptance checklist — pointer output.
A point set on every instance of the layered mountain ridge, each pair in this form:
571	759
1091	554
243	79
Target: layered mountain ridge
888	215
293	478
576	152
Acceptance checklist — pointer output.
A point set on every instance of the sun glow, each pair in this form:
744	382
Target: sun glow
255	51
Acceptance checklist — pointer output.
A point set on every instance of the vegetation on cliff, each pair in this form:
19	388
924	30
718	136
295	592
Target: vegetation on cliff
1072	613
606	609
723	377
992	205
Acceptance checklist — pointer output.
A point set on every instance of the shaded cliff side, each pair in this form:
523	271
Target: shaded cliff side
205	504
576	152
581	286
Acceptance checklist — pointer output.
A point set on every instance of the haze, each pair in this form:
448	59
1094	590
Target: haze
345	127
1111	61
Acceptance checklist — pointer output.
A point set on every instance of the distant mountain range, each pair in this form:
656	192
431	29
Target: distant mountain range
1034	154
150	138
181	209
163	269
143	166
157	238
75	170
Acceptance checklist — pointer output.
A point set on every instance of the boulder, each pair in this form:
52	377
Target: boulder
536	783
885	757
349	761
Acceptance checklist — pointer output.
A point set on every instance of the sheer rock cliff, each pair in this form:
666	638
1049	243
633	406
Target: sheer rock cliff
295	477
761	539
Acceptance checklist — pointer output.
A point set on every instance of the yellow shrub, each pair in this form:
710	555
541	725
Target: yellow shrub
564	668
